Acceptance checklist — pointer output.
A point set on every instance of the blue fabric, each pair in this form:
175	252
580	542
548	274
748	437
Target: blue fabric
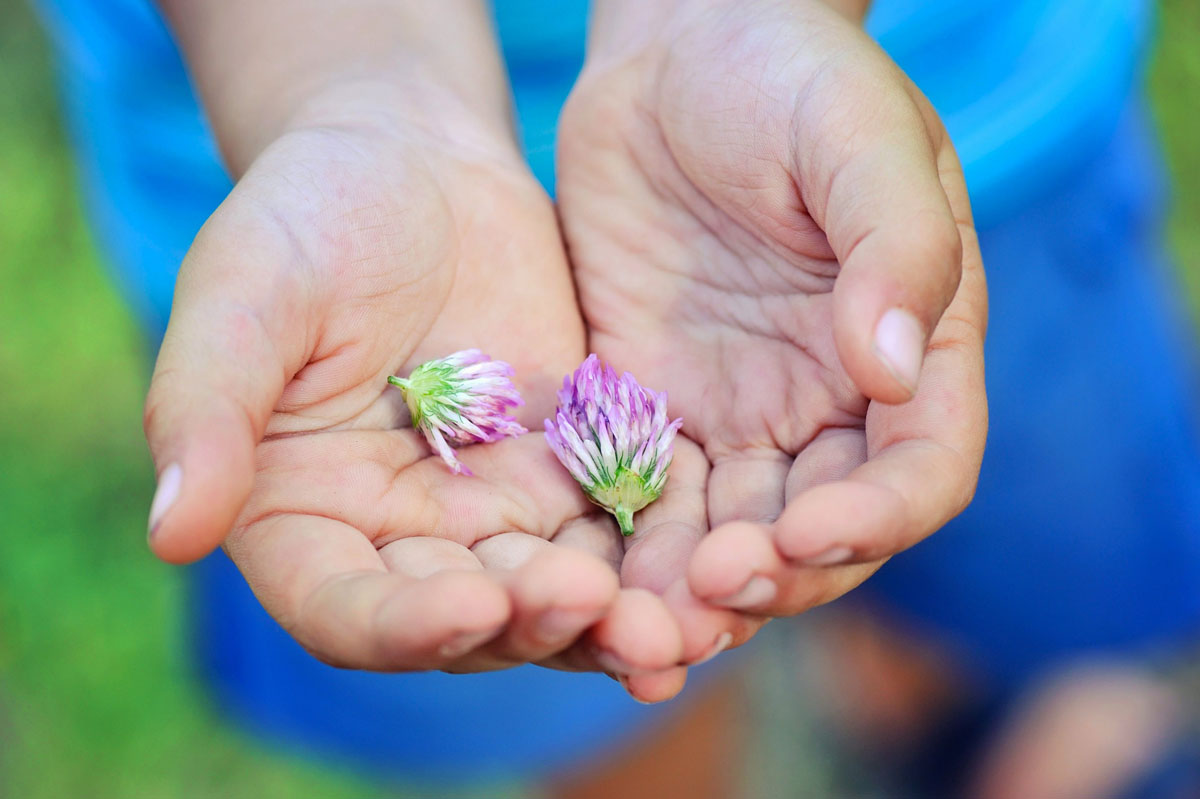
1083	534
1030	90
149	167
543	53
426	726
1079	537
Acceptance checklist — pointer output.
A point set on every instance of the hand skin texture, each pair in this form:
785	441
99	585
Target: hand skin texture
382	216
747	189
767	220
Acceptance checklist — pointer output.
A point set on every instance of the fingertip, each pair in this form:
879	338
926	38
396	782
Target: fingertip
655	687
841	522
728	558
894	286
639	633
166	492
881	346
899	345
200	492
707	629
428	623
467	601
431	622
556	597
559	576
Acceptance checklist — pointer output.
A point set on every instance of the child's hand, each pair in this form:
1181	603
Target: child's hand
766	219
355	247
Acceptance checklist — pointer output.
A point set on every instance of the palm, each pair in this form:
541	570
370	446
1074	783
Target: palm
384	254
714	278
729	306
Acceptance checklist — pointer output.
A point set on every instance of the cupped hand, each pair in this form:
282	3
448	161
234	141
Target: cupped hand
767	220
357	246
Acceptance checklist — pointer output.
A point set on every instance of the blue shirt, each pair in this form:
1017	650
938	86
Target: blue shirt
1029	90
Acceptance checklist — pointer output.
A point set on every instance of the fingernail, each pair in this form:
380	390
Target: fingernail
758	590
560	624
900	344
463	643
719	646
830	557
613	664
165	495
625	684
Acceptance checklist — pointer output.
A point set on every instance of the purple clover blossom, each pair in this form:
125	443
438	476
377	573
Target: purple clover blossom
461	399
613	436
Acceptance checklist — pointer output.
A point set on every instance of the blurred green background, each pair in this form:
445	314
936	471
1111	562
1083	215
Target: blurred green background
95	696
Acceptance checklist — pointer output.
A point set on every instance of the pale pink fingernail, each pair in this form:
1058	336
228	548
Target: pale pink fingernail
900	344
624	680
165	495
465	642
830	557
757	591
720	645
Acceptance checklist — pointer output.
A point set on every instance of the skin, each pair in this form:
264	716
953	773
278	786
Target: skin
382	216
746	189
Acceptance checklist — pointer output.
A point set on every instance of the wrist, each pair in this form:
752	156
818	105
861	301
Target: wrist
412	110
270	66
629	26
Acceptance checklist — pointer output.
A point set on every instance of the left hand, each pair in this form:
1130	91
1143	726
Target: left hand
355	247
768	220
382	216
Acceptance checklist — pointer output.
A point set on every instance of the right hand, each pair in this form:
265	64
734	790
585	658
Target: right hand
357	246
768	221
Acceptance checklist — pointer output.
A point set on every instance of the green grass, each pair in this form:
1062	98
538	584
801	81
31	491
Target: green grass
1174	91
94	696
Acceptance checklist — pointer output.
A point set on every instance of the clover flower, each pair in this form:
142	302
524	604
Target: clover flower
461	399
613	436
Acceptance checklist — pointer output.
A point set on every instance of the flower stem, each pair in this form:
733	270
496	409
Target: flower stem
624	519
398	381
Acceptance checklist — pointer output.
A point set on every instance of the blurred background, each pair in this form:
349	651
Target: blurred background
96	697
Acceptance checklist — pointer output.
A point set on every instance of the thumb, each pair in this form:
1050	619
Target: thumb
888	220
228	352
